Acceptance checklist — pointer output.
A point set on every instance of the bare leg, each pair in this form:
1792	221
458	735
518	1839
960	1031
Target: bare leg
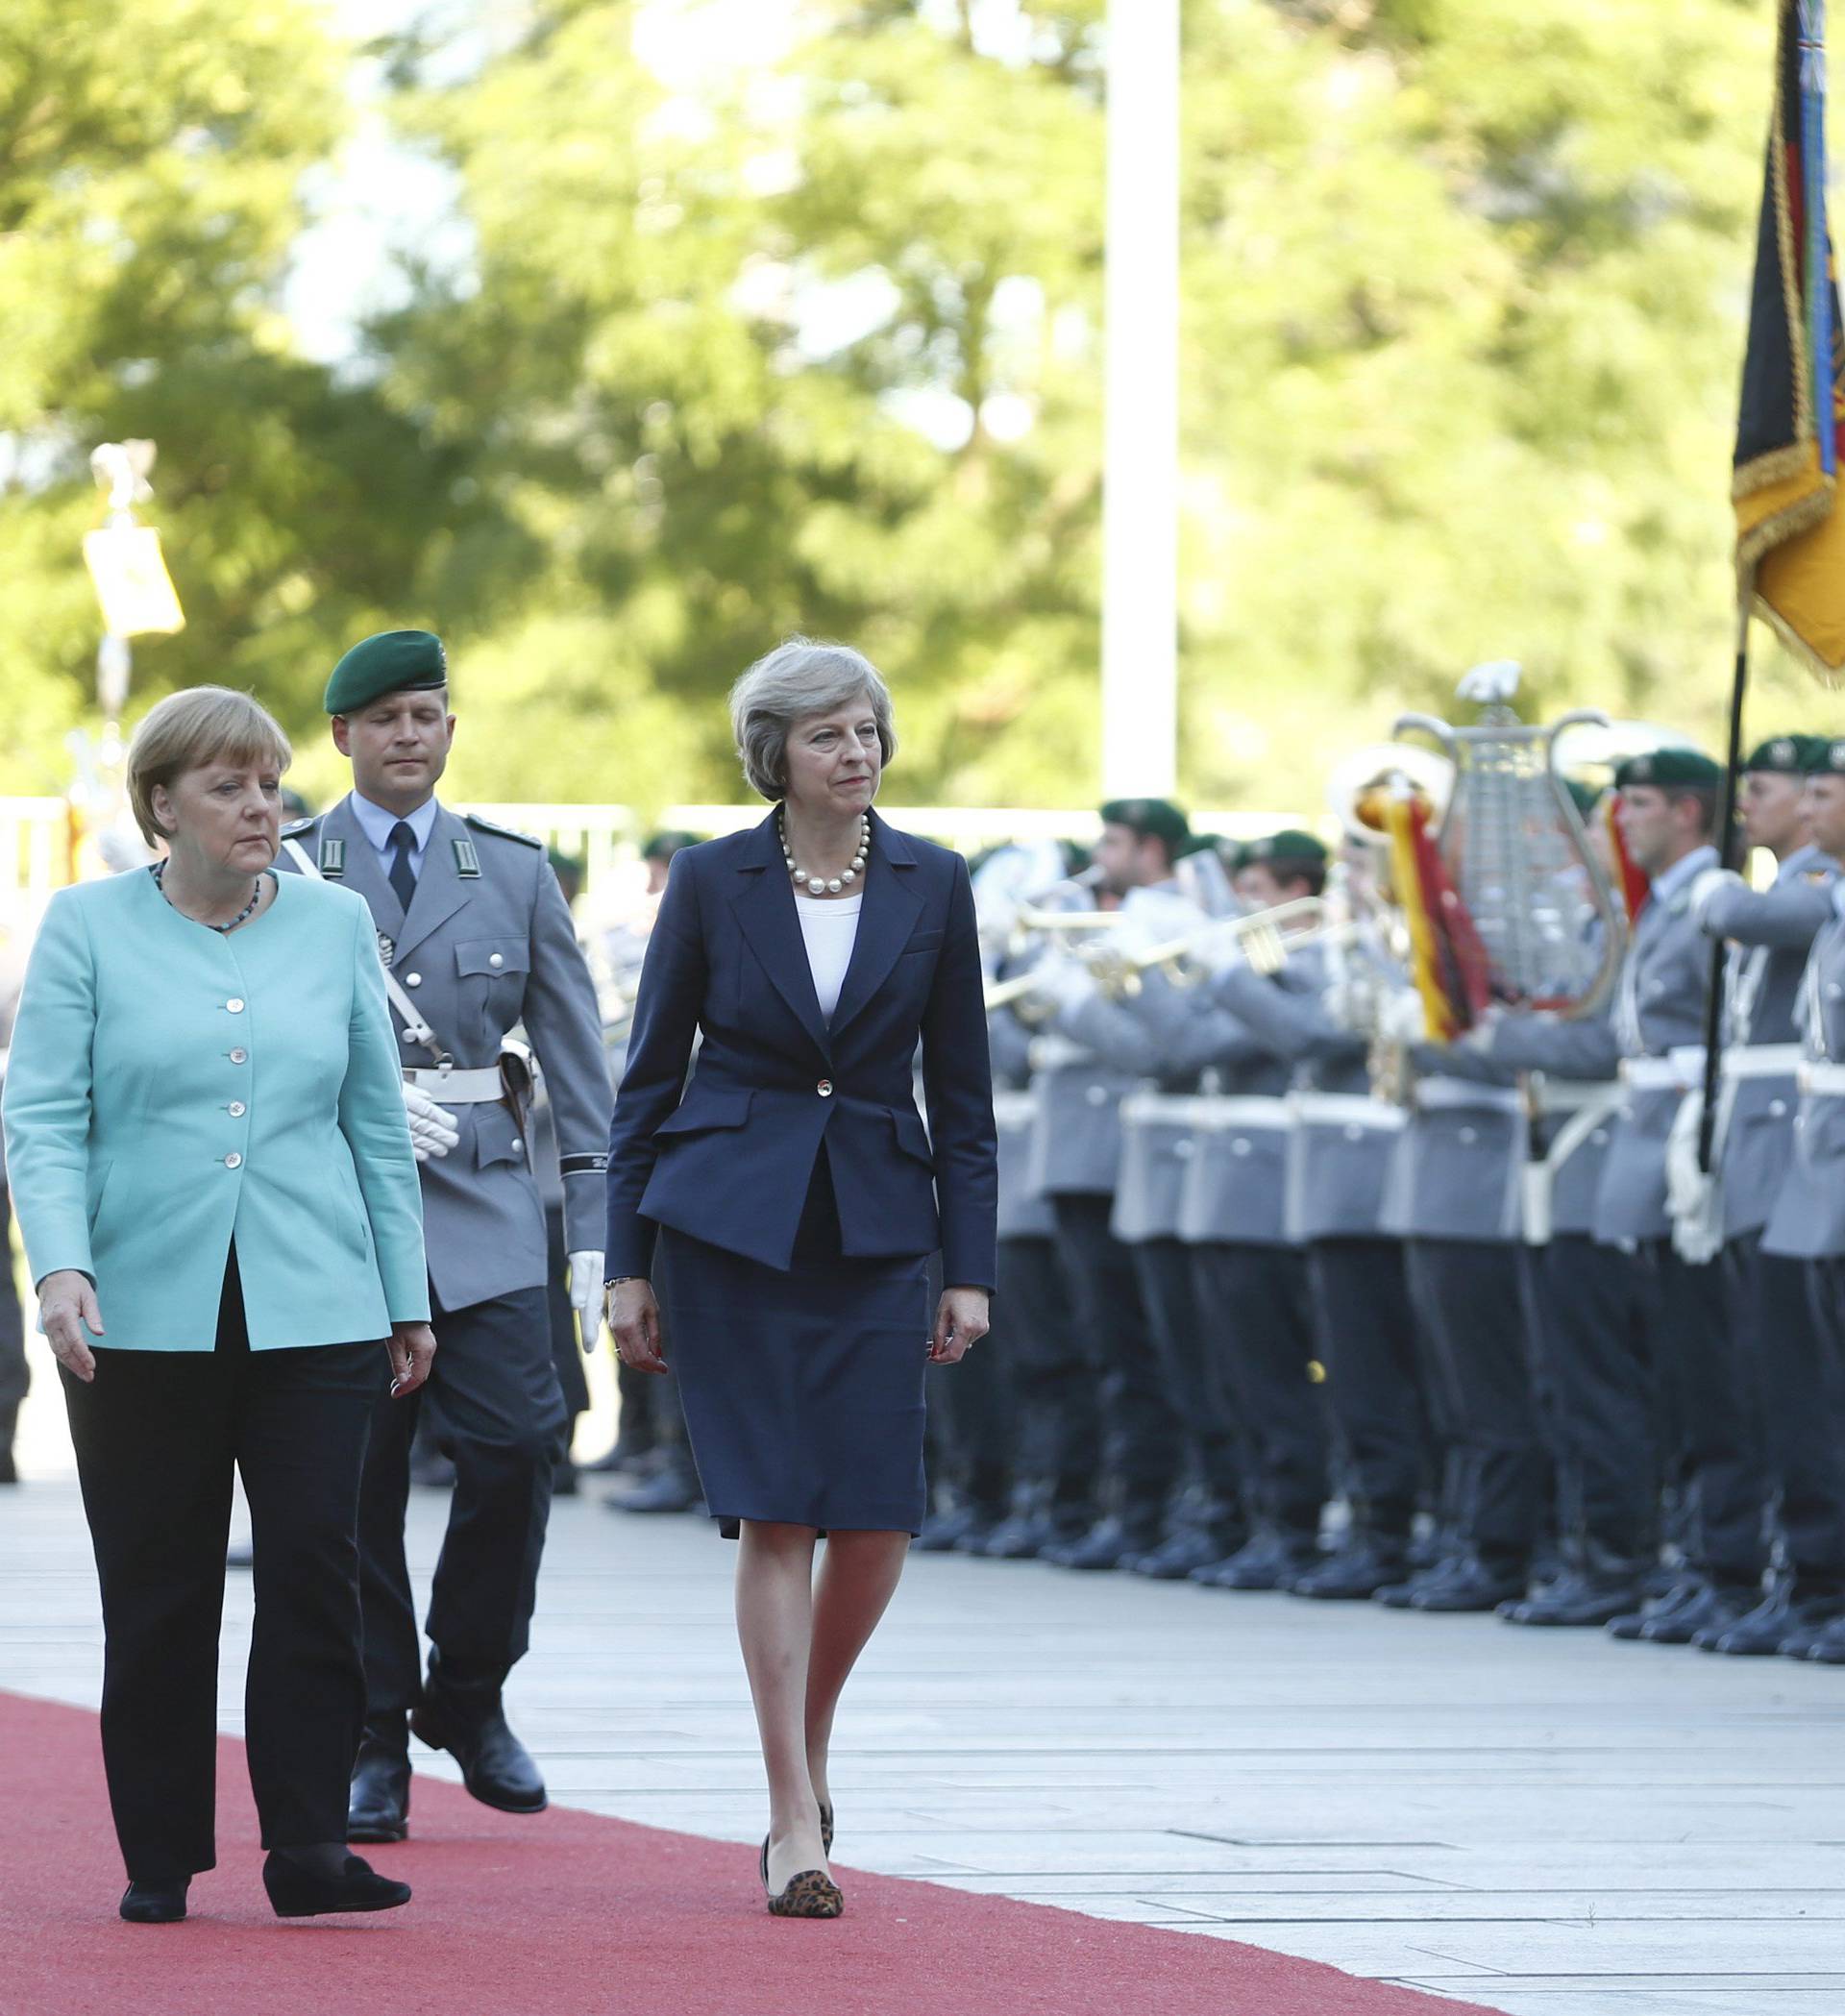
774	1623
857	1580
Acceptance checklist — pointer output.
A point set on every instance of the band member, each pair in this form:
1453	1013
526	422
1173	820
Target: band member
219	1201
475	936
795	1197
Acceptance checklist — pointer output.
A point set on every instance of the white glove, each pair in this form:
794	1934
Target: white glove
432	1129
1401	1019
1705	886
586	1293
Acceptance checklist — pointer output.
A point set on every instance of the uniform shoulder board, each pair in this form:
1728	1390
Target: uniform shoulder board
295	828
488	826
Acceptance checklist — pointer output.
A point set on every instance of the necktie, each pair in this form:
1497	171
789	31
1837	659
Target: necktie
403	876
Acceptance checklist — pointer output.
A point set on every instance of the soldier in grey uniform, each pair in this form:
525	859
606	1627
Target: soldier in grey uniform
1661	1398
14	1376
1774	1338
1805	1419
476	938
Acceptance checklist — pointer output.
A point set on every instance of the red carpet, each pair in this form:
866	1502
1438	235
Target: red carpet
565	1915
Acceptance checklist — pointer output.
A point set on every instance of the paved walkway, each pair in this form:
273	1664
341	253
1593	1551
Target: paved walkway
1549	1824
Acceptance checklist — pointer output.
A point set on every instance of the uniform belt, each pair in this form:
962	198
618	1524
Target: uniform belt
1558	1096
1822	1077
1346	1109
1052	1053
1464	1095
1013	1110
1763	1060
1680	1071
1204	1110
458	1088
1246	1110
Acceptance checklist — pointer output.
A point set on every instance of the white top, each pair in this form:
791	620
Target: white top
829	931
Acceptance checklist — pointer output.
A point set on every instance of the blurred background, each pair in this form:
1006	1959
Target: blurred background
614	341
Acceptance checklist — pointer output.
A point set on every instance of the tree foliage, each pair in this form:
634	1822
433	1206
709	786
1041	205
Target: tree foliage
819	349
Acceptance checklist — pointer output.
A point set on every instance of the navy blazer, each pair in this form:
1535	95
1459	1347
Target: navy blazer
731	1161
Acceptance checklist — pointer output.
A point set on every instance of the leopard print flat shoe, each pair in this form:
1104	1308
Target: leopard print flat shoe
812	1894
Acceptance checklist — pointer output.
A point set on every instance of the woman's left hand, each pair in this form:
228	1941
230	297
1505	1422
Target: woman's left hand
960	1320
411	1345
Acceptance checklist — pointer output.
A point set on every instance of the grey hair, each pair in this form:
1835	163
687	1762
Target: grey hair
798	680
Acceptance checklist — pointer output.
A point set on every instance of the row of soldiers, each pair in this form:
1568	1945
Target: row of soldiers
1264	1251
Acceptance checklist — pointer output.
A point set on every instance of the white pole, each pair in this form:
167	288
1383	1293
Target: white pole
1140	445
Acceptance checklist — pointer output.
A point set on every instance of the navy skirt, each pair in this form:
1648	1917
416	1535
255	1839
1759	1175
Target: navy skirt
802	1391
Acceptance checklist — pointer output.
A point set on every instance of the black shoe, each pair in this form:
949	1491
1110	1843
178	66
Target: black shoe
671	1489
944	1531
377	1807
295	1892
1105	1545
156	1904
1772	1625
1577	1600
467	1720
1718	1603
1180	1553
1474	1585
1828	1647
1354	1572
1686	1590
1268	1560
1402	1595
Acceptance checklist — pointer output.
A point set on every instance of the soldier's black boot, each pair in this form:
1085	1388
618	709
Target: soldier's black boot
1184	1552
1026	1528
1402	1595
1477	1584
378	1805
1675	1596
1596	1588
1828	1647
1271	1560
944	1529
1718	1603
1785	1618
1355	1570
1107	1544
462	1714
674	1488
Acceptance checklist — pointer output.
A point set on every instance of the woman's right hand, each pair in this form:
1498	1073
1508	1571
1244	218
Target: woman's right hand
634	1319
67	1307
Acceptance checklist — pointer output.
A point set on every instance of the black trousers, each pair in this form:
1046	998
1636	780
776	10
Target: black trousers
499	1416
1139	1431
1821	1427
14	1377
1059	1422
1468	1298
566	1355
1258	1312
1215	1432
972	1423
159	1435
1365	1335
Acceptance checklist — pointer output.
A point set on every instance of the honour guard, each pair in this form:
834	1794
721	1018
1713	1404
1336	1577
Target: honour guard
476	937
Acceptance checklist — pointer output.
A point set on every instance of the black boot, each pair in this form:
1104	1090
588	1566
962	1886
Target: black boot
1355	1571
379	1806
1716	1603
1107	1544
1032	1524
1828	1647
674	1488
1675	1596
1270	1561
1176	1555
944	1531
9	1469
463	1716
1598	1587
1785	1619
1475	1584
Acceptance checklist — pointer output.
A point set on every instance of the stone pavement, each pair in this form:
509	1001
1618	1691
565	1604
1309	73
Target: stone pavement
1550	1824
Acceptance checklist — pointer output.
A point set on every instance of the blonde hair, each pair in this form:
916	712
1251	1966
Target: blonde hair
795	681
188	730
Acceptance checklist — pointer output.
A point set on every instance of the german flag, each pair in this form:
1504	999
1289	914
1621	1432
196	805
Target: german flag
1790	542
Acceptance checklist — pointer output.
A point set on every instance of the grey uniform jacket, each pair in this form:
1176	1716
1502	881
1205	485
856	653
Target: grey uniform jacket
1773	932
1023	1213
1808	1219
1459	1166
1337	1151
478	952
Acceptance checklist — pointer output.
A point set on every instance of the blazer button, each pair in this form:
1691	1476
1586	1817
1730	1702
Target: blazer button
236	1004
824	1087
234	1161
412	979
237	1109
239	1056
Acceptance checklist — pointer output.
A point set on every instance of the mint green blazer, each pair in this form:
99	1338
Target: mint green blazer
170	1089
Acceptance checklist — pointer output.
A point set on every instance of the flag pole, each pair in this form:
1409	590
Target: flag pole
1727	853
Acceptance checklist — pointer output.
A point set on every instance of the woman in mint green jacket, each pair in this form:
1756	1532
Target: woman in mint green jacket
214	1178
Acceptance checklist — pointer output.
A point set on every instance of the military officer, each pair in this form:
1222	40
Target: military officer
1805	1414
476	937
1774	1341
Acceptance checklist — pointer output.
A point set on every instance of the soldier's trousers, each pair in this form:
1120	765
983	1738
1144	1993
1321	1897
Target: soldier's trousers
499	1415
1141	1435
1189	1337
1057	1404
1258	1315
1364	1335
566	1357
1466	1297
14	1377
972	1419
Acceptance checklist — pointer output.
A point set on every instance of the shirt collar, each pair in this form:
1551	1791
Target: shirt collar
375	823
1683	874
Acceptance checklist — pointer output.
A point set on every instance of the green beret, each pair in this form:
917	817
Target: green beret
1671	770
1151	818
1785	755
1290	843
662	846
393	661
1830	759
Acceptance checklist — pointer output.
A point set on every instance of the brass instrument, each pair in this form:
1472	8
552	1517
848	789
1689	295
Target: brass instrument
1261	937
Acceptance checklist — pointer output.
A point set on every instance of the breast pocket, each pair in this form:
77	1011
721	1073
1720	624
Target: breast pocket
490	978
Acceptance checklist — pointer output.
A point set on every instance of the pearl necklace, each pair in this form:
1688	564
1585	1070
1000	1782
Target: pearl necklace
823	885
158	873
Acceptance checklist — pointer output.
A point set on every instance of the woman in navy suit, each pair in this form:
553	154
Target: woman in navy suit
793	1197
